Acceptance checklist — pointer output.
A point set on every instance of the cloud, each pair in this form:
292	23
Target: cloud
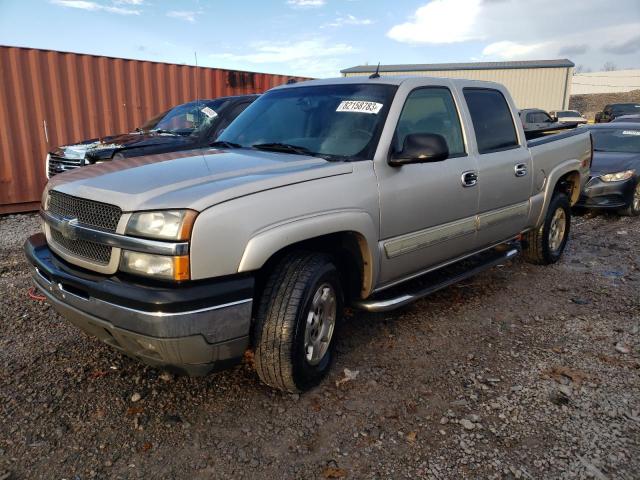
187	15
95	7
625	48
440	21
314	57
569	50
306	3
267	52
507	50
348	20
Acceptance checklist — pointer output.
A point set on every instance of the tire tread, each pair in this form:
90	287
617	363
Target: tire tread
276	318
534	248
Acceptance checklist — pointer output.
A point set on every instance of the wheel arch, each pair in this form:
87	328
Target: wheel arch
569	184
348	236
566	178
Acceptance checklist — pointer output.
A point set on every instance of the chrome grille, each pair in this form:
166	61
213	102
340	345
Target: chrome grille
61	164
88	212
93	252
98	215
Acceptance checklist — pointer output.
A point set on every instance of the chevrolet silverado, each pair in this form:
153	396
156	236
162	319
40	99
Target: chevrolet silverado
369	193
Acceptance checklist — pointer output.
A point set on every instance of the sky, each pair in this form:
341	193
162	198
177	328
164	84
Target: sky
318	38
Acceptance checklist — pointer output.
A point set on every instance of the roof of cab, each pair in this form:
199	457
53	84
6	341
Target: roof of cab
383	80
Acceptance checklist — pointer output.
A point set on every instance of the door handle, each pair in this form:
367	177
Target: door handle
469	178
520	169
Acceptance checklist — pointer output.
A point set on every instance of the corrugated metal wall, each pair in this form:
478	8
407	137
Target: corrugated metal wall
50	98
546	88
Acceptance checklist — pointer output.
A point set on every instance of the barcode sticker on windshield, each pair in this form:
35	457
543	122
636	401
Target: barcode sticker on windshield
359	107
631	132
209	112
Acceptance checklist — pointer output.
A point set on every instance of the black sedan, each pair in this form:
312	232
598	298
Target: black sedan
189	125
615	171
627	118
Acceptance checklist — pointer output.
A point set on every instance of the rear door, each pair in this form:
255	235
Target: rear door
504	167
427	214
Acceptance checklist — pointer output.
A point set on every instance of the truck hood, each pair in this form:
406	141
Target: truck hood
195	179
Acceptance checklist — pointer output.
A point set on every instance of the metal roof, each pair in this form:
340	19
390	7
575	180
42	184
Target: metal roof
427	67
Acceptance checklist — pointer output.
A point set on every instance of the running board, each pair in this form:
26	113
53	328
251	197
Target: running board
431	282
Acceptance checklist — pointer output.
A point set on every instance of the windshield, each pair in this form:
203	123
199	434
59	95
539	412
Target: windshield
567	113
624	140
149	124
626	108
186	119
333	121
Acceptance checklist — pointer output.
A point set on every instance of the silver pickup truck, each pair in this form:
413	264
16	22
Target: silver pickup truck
357	192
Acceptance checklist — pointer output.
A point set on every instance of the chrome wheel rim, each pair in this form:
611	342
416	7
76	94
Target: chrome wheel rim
636	197
320	323
557	229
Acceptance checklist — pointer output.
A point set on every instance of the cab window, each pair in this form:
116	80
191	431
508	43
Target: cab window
491	118
431	110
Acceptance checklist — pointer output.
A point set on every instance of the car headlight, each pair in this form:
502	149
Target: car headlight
156	266
617	176
162	225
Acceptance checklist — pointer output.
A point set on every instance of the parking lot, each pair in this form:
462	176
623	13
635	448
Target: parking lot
521	372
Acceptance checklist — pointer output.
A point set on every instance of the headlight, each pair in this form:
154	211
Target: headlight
156	266
162	225
618	176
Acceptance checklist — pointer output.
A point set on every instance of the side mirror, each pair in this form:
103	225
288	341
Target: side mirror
421	148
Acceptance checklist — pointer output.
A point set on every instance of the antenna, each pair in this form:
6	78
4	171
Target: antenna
195	54
376	74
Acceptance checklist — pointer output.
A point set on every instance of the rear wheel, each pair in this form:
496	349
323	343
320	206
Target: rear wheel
633	210
295	327
546	244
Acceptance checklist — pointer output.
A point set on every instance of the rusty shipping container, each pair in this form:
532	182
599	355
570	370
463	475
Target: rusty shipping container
50	98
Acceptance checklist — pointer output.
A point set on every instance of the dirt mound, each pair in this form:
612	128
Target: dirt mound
591	103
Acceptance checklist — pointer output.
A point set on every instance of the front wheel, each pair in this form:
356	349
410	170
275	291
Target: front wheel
295	327
633	210
546	244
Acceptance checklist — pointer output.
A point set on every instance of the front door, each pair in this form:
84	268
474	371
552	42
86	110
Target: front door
427	214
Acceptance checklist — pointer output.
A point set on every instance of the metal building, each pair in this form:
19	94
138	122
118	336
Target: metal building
50	98
542	84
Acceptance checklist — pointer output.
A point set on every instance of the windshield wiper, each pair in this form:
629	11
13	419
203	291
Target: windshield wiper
223	144
284	147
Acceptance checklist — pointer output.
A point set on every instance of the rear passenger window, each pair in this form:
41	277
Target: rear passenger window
491	119
431	110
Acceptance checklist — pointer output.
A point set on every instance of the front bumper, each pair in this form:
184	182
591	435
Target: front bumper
195	328
599	194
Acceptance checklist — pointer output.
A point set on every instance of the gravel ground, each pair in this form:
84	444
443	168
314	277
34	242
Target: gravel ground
521	372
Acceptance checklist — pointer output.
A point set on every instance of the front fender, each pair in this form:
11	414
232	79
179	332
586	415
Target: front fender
267	242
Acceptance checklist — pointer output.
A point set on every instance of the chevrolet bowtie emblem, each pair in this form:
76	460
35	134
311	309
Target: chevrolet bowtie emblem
67	228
